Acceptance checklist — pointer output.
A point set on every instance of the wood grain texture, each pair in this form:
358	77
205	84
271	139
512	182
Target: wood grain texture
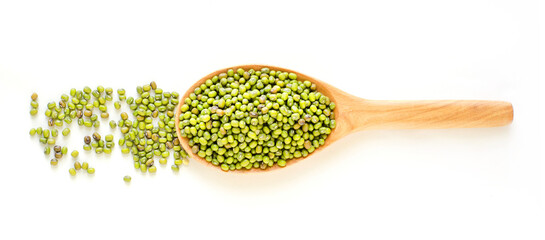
356	114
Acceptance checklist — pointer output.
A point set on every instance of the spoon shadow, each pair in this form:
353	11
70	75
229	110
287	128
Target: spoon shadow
255	182
364	142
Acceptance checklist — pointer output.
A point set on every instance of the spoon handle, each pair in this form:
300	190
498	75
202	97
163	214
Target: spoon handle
381	114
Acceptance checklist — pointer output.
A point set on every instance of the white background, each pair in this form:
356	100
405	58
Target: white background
396	184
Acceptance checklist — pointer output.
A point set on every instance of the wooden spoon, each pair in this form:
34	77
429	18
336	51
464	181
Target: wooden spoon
356	114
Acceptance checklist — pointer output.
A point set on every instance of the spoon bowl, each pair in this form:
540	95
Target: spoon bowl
354	114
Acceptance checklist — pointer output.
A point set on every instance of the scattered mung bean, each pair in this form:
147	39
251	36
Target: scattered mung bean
127	178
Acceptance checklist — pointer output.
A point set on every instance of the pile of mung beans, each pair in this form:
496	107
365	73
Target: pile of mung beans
245	118
237	120
142	138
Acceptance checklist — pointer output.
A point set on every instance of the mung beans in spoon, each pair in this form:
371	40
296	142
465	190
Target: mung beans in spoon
245	118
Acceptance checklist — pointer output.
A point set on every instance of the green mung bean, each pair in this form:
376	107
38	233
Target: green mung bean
127	178
87	147
109	137
113	124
